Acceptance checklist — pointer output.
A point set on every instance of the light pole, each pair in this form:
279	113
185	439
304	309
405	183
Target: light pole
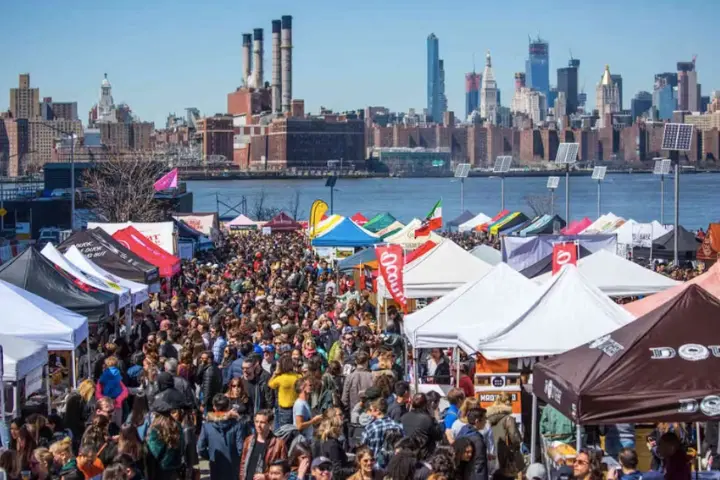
330	182
599	175
552	184
71	137
677	137
462	171
502	166
662	168
567	155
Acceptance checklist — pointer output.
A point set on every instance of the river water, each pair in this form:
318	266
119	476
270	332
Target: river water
634	196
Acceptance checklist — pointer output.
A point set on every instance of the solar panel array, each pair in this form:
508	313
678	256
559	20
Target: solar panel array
553	182
599	173
662	166
567	153
462	170
502	164
677	136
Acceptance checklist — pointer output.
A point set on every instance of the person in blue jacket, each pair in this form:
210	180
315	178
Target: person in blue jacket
221	439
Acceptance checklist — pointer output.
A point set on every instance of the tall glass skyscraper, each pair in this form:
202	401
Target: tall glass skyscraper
434	84
537	66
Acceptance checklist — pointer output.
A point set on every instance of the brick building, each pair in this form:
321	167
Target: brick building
13	145
216	135
127	136
25	101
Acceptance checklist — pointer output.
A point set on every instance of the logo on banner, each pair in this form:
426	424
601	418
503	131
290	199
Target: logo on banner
553	393
391	260
709	405
606	345
691	352
563	254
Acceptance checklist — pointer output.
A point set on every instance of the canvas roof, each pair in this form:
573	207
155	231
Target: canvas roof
570	311
709	281
161	234
325	225
168	264
390	230
543	225
242	221
438	272
659	368
478	219
638	234
406	236
31	317
460	219
576	226
687	241
139	291
602	221
616	276
346	234
20	357
33	272
283	223
487	254
379	221
359	218
105	251
364	256
483	304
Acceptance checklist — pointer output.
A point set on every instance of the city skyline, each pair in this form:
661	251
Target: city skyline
158	69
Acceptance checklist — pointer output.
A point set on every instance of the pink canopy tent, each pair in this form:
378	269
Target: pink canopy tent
576	226
709	280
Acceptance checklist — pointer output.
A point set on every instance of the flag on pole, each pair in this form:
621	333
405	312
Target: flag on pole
169	180
433	221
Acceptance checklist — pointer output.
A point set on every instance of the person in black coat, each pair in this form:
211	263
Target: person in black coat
255	381
142	327
477	417
221	439
209	378
328	444
420	424
180	384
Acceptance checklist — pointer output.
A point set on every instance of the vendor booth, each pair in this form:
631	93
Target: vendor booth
23	373
162	234
345	233
469	225
406	236
168	265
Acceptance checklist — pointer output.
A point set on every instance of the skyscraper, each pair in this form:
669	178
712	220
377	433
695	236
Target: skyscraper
472	92
567	82
617	80
687	87
25	101
443	98
642	102
488	93
607	97
537	66
434	92
664	95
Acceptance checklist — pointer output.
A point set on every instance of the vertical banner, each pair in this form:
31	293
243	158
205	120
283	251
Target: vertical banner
317	210
564	254
391	261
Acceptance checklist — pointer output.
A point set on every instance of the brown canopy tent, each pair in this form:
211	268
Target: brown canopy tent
282	222
661	367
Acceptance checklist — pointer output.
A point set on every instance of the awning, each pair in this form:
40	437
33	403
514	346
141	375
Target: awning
130	238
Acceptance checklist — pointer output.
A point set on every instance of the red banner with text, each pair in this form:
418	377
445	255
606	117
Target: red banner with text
391	261
563	254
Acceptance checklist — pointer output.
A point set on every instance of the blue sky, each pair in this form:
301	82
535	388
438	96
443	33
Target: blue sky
162	56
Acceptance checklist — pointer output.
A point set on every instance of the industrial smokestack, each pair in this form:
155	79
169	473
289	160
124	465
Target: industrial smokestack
258	57
286	61
276	80
247	58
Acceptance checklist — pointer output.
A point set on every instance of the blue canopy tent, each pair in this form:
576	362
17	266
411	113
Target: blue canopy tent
545	225
363	257
346	234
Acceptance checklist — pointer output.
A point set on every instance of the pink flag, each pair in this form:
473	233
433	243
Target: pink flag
169	180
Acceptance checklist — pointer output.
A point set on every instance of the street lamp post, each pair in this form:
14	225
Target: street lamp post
70	136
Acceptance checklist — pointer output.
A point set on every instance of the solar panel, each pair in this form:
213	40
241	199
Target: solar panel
572	152
553	182
677	136
599	173
662	166
561	153
502	164
462	170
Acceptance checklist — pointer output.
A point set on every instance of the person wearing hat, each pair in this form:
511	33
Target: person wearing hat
536	471
321	469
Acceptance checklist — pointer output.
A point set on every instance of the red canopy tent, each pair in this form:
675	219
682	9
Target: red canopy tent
419	251
283	223
140	245
576	226
483	227
359	218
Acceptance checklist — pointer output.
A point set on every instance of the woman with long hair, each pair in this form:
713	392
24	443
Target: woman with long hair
239	399
139	416
464	453
300	460
229	356
365	462
9	462
588	466
25	446
65	460
15	425
328	443
165	448
129	443
283	380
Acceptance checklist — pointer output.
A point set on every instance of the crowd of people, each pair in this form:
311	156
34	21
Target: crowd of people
267	364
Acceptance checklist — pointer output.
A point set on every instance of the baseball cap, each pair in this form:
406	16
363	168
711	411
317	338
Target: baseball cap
564	473
320	461
536	471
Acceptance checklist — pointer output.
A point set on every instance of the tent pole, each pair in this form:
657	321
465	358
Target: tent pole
533	429
47	389
16	401
578	439
699	446
72	365
457	360
5	429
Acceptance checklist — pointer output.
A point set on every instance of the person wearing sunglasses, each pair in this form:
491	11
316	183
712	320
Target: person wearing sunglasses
587	466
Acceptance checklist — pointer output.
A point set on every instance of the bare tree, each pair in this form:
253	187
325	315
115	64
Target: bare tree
124	188
540	204
262	212
293	206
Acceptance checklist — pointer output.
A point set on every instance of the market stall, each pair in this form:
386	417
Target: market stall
469	225
168	265
23	363
162	234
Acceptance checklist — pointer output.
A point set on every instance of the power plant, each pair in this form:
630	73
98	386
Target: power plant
286	61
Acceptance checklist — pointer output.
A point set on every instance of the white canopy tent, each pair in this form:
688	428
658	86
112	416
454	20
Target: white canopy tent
139	291
31	317
617	277
478	219
406	236
483	304
20	357
598	225
635	234
438	272
54	255
487	254
569	312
